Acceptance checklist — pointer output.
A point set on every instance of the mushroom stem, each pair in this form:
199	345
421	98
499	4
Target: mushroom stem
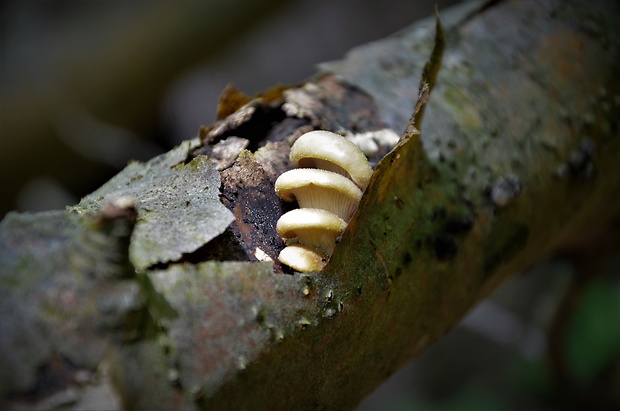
320	189
311	226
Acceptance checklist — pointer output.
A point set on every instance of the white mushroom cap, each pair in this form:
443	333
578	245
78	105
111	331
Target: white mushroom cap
331	151
313	227
303	258
321	189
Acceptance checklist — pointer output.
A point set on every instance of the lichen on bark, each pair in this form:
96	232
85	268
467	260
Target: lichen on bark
515	158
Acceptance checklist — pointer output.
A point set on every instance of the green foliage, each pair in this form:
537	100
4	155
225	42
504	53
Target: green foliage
594	335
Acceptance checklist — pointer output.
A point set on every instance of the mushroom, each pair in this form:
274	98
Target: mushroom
327	188
330	151
303	258
313	227
313	188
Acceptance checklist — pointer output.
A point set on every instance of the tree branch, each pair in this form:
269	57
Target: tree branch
516	160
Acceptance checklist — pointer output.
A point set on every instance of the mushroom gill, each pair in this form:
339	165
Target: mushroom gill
328	189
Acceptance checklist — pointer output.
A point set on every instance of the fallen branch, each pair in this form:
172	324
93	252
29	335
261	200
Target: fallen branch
516	161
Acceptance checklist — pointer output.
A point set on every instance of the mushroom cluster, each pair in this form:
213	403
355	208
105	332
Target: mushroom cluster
328	183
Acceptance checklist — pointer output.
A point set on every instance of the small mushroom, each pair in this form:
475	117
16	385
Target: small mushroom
313	188
303	258
328	189
313	227
330	151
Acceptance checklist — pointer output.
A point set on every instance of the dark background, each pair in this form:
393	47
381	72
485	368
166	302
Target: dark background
86	86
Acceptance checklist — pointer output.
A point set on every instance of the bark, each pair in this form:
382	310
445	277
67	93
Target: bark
515	161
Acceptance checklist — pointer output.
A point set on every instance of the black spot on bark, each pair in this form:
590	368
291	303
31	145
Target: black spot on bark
407	259
458	225
445	246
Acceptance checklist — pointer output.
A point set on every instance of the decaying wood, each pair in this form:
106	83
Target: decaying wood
516	159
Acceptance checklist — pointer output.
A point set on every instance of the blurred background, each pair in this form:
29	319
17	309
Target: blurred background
86	86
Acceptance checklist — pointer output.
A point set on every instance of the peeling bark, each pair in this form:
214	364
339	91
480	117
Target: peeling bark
516	160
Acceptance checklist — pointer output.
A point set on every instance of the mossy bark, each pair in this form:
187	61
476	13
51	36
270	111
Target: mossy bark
516	160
